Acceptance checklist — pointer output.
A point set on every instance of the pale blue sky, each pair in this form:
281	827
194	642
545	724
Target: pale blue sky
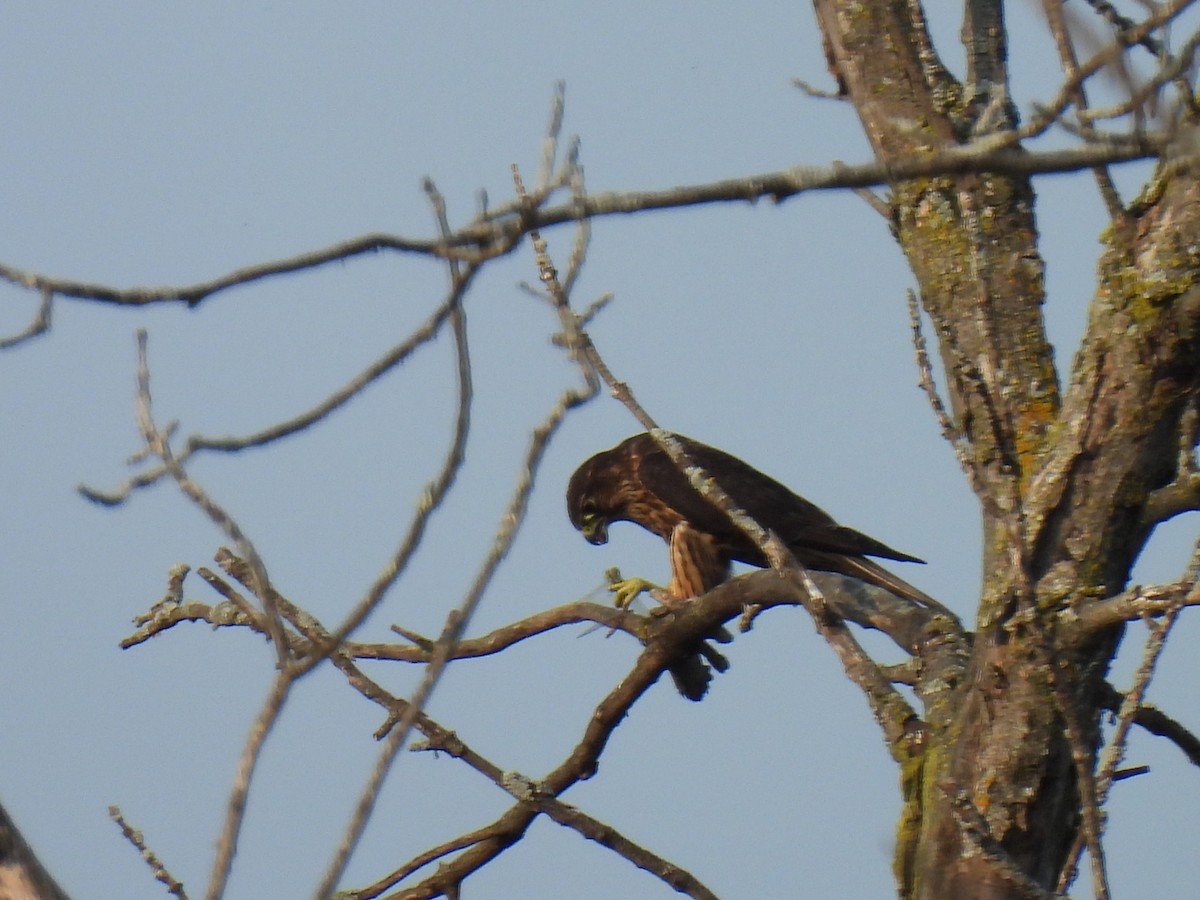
150	143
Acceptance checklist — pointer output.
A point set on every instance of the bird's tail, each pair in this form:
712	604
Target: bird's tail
871	572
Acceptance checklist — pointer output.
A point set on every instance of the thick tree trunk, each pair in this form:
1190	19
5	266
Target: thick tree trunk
1066	481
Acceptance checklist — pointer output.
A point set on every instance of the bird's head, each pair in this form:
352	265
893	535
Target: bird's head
590	503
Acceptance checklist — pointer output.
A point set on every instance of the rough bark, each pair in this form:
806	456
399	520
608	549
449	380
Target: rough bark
1064	478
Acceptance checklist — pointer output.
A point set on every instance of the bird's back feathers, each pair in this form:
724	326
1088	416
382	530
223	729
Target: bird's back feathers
797	522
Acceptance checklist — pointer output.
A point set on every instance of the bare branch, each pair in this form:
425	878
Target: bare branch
164	616
1091	793
435	492
1174	70
459	617
571	817
579	765
498	231
1110	55
317	636
1124	26
158	443
953	435
1157	723
1180	496
160	872
990	154
1112	756
594	830
874	201
1115	751
1097	792
1137	603
1070	66
193	295
398	354
502	638
506	830
39	325
811	90
583	239
550	141
236	808
197	443
1183	493
910	627
433	854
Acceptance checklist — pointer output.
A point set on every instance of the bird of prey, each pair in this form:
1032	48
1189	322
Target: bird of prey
636	481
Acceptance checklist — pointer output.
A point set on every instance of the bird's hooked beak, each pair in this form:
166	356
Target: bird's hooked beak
595	531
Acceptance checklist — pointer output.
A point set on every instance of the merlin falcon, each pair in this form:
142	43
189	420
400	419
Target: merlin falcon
636	481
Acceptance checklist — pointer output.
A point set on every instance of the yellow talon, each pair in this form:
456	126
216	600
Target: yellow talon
627	590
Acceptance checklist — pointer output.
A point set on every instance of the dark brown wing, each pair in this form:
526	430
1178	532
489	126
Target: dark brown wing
799	523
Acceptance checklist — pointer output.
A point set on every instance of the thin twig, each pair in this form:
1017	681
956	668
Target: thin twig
952	434
235	811
435	492
594	830
534	798
159	444
1115	750
1124	26
268	715
135	837
1136	603
40	323
583	238
193	295
424	334
457	620
1156	722
1047	115
811	90
1091	798
432	497
1175	70
197	443
418	862
1070	65
498	232
550	141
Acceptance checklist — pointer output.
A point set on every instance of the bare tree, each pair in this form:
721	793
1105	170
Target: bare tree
1003	761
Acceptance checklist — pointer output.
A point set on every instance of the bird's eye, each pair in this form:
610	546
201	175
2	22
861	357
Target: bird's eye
588	509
